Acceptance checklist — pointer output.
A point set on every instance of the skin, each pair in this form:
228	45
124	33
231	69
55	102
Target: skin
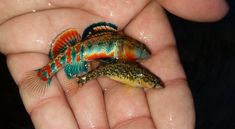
26	35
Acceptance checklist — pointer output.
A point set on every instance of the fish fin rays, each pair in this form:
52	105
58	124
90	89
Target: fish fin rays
34	85
64	40
98	28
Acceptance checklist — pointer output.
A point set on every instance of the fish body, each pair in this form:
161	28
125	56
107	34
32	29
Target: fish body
100	41
111	46
128	73
70	60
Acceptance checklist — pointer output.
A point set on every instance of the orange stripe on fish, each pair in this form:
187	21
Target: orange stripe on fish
78	58
99	55
68	55
46	69
58	64
77	47
44	78
130	55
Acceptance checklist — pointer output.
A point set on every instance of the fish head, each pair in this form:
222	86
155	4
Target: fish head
134	50
149	81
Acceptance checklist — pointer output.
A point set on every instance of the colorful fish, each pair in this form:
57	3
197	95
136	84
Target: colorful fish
100	41
128	73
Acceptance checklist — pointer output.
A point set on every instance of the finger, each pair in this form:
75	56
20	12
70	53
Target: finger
111	9
87	102
197	10
49	111
18	8
126	107
172	106
35	32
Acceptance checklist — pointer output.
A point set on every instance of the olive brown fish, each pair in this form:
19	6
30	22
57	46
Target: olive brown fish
129	73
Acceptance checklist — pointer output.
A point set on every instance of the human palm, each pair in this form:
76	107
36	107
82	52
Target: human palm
28	27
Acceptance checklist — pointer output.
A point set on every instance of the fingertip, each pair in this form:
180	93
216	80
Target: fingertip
223	11
197	10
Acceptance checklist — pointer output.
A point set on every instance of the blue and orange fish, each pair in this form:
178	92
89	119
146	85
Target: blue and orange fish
100	41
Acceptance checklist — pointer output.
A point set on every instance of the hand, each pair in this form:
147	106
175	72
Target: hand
28	27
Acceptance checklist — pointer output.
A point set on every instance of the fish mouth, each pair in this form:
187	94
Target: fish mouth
146	84
145	53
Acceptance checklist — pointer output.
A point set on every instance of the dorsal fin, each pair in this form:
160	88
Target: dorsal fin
64	40
98	28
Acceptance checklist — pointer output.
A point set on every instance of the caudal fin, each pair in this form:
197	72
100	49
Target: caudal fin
34	84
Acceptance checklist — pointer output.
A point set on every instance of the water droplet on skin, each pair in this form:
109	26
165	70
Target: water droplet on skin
49	4
142	63
34	10
110	14
141	33
144	37
92	125
105	89
127	1
37	41
130	113
171	121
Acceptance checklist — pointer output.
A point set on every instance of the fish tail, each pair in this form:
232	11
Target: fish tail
35	83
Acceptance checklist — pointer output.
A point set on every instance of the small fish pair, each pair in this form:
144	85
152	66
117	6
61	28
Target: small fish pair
100	42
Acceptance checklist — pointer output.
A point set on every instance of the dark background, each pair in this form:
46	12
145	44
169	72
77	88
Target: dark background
207	52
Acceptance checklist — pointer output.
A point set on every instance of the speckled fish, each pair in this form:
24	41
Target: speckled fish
128	73
73	53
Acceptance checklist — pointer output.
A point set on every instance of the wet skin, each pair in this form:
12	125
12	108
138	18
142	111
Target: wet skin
25	40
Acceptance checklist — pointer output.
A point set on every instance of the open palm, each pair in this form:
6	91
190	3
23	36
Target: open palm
28	27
